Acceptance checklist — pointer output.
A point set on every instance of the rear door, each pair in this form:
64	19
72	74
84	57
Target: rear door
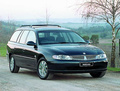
20	49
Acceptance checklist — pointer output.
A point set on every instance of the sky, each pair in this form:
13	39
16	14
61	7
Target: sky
36	9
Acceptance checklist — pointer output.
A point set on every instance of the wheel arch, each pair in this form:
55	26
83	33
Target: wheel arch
9	55
40	56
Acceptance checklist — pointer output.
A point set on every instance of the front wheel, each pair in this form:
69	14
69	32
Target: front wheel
97	74
42	69
12	65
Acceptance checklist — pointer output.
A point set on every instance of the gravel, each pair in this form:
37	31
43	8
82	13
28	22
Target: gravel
27	80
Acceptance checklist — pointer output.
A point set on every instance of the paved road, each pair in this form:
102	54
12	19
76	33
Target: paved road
27	80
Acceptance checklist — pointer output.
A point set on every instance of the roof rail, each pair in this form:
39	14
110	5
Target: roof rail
41	25
26	26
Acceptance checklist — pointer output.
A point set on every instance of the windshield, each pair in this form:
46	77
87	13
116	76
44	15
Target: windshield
56	37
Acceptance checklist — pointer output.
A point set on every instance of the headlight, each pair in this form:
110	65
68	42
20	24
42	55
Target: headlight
101	56
62	57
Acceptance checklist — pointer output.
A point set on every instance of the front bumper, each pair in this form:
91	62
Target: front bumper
74	66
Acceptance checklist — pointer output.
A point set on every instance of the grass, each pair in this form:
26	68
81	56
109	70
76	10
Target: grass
113	69
3	50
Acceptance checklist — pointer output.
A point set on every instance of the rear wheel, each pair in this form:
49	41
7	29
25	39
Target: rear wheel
12	65
42	69
97	74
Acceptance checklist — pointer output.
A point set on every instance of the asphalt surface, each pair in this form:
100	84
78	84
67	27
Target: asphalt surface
27	80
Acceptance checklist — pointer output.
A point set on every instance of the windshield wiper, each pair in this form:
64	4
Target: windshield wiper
70	42
79	42
62	42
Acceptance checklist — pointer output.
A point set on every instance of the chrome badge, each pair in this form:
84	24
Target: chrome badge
84	53
85	58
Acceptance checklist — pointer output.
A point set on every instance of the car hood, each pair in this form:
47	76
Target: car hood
72	49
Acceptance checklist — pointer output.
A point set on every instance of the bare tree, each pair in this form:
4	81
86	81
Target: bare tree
107	10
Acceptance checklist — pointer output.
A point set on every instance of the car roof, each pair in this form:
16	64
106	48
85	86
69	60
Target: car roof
42	27
52	28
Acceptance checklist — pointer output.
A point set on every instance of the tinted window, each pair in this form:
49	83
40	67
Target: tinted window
75	37
51	37
41	34
15	36
31	37
23	38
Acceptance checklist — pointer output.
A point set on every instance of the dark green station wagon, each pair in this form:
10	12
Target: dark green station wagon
50	49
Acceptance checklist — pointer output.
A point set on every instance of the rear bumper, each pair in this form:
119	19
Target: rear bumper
74	67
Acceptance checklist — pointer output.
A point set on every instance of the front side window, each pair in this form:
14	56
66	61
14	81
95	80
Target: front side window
15	36
23	37
31	37
51	37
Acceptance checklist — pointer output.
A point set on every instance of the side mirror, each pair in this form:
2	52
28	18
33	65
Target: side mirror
88	42
31	43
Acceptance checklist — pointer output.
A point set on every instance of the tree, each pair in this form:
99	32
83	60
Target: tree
94	39
107	10
86	37
6	30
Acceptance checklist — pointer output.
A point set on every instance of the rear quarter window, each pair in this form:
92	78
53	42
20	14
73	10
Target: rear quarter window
15	36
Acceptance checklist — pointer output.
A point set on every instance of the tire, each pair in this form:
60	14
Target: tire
12	65
98	74
42	69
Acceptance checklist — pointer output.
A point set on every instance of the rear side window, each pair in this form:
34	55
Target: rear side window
15	36
23	38
31	37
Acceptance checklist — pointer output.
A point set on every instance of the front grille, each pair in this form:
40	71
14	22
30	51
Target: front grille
84	57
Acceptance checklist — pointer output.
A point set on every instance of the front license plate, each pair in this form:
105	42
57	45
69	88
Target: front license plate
86	64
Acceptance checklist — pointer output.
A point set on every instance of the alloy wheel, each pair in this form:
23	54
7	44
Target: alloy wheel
12	64
43	69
